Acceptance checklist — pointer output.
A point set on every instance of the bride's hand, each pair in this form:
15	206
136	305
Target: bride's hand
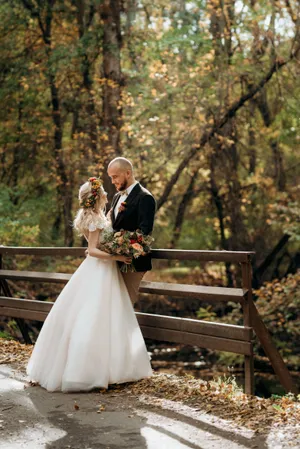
124	259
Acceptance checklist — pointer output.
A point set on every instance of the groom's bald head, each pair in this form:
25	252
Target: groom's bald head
122	163
120	171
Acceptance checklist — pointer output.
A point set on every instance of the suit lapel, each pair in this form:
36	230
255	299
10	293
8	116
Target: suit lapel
135	191
115	202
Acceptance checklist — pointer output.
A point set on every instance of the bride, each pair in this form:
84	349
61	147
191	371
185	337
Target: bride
91	337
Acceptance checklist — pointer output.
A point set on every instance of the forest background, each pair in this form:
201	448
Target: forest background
202	96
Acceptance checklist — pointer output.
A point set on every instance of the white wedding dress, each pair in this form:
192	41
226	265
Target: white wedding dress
91	337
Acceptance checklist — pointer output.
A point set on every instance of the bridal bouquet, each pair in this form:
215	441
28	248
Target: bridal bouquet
126	243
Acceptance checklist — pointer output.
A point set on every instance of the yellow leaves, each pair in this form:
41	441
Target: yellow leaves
14	352
127	99
99	80
209	56
106	81
43	133
24	83
222	398
101	408
275	134
201	117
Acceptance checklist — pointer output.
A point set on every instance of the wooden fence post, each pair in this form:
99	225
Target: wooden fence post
249	360
20	322
253	319
271	351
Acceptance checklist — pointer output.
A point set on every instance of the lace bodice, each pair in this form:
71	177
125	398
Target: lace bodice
96	221
99	223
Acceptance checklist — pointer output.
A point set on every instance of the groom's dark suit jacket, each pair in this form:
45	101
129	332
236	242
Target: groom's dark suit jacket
138	214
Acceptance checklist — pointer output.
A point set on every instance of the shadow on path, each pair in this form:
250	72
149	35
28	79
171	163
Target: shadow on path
35	419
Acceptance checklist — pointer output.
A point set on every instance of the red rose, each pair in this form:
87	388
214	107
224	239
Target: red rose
133	241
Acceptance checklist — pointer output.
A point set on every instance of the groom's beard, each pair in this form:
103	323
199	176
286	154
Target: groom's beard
123	186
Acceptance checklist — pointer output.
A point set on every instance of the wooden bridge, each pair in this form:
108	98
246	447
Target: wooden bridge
211	335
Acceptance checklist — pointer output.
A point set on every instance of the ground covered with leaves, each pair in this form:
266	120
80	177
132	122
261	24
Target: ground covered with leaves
222	398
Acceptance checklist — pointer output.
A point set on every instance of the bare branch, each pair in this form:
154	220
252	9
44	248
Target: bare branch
230	113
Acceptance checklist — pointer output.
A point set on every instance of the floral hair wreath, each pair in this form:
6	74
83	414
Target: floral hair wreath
96	189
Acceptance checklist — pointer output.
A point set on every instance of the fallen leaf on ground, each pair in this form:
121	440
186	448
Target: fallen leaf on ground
218	398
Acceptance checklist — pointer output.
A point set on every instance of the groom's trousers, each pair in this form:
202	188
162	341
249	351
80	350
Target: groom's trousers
132	282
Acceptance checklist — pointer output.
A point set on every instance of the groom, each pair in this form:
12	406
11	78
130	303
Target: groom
133	207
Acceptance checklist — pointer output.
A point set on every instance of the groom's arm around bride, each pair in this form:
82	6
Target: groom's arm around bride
133	207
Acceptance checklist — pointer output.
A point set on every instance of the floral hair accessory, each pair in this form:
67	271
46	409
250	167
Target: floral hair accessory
95	194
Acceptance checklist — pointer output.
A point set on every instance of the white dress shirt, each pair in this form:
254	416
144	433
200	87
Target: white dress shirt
124	197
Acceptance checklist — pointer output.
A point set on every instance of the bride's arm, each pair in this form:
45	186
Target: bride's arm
95	252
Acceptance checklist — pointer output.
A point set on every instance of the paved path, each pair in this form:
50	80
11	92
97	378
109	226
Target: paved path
32	418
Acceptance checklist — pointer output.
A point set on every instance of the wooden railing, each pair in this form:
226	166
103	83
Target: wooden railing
211	335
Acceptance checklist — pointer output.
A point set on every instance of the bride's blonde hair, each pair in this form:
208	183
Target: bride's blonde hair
89	214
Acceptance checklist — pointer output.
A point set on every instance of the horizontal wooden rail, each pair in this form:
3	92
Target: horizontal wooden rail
215	336
42	251
229	331
160	288
25	304
26	314
193	291
202	341
174	254
37	276
202	256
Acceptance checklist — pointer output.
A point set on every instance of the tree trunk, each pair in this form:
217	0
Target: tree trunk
44	15
85	15
279	173
130	18
225	143
185	201
239	239
261	101
111	121
258	275
252	141
217	200
64	187
17	153
56	225
268	118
